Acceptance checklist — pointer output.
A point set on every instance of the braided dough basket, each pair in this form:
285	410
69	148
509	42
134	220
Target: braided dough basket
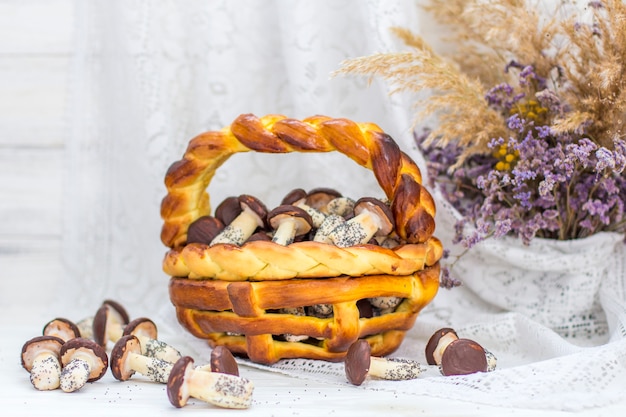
231	295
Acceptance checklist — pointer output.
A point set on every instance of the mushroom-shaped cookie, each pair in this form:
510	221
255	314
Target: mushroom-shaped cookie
108	326
223	361
296	311
220	389
385	304
465	358
252	216
319	198
110	317
372	217
146	331
126	359
85	327
204	229
438	343
41	357
288	222
342	206
462	357
328	225
228	209
359	364
322	311
83	361
297	197
62	328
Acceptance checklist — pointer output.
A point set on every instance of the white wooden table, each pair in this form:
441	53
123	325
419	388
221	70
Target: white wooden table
35	53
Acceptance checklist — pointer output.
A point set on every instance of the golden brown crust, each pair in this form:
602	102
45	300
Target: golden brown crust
365	143
265	260
235	296
215	310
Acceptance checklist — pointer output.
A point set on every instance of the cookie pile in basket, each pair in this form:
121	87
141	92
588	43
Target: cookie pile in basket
321	215
316	273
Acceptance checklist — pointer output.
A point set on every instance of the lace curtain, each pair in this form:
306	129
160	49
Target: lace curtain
149	75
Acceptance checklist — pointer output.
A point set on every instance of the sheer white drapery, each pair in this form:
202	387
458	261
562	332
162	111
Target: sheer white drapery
149	75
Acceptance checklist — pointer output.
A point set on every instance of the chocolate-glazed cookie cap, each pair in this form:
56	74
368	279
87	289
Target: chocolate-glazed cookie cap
119	357
119	309
204	229
97	352
102	317
462	357
433	341
222	361
357	362
304	223
176	382
365	308
34	346
254	204
62	328
379	209
293	196
228	209
261	235
141	326
319	197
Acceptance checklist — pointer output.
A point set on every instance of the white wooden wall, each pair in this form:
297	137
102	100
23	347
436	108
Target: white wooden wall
35	53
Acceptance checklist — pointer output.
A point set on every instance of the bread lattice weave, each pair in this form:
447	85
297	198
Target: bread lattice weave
244	317
233	295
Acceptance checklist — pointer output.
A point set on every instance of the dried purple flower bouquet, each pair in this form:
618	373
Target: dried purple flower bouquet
530	107
535	182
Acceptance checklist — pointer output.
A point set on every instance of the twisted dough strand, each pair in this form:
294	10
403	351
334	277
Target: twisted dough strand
365	143
261	261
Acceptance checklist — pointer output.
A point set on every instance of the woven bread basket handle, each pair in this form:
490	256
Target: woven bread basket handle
399	177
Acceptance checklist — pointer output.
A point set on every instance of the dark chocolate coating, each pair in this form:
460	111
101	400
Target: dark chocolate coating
294	195
462	357
222	361
204	229
51	343
365	308
286	210
433	341
98	352
261	235
176	381
101	317
120	310
117	359
255	205
228	209
141	325
61	326
357	362
319	197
